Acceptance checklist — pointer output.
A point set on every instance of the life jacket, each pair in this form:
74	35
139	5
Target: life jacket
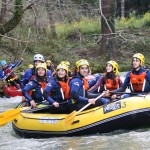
137	82
85	84
65	88
109	85
42	84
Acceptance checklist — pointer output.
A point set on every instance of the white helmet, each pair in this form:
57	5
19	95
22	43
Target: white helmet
39	57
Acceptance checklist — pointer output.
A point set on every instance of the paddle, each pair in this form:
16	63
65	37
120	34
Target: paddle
41	108
13	70
132	93
10	115
69	119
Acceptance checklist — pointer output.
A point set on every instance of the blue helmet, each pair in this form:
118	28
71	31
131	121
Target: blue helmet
3	62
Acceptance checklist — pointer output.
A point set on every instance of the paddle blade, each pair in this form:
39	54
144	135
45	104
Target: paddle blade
69	119
9	115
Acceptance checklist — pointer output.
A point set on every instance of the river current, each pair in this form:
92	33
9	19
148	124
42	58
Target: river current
124	140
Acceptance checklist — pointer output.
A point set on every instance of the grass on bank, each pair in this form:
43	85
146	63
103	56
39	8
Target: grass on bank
85	26
88	26
68	45
133	22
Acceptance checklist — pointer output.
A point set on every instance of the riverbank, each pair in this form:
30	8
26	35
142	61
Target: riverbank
79	39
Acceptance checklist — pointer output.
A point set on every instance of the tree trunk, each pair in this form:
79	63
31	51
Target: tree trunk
37	18
108	28
122	8
12	23
3	11
51	21
52	25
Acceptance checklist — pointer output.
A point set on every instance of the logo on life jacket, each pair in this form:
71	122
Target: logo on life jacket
76	83
137	82
109	85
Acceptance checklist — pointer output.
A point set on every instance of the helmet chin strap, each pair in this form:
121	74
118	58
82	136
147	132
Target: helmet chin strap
137	67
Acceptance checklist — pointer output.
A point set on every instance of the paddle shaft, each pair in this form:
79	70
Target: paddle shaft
13	69
89	103
69	119
132	93
45	107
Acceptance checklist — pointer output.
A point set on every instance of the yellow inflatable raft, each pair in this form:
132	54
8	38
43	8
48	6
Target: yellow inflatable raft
128	113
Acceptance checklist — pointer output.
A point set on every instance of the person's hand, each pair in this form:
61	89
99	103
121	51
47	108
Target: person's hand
92	101
4	80
23	99
33	104
21	59
114	97
106	93
56	104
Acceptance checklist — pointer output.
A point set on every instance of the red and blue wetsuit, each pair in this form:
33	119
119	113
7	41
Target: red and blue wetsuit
78	89
30	74
139	82
34	90
106	85
57	91
8	70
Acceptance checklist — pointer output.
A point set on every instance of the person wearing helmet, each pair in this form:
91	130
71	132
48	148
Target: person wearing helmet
76	70
9	75
59	90
138	78
110	80
79	87
33	91
30	73
30	66
51	67
67	63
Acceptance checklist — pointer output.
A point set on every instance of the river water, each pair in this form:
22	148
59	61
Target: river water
124	140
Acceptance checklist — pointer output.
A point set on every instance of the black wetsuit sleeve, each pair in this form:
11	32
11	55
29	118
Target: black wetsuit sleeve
45	94
121	89
74	95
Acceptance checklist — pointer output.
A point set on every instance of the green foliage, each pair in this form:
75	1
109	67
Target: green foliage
86	1
69	45
85	26
92	26
146	19
133	22
18	8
